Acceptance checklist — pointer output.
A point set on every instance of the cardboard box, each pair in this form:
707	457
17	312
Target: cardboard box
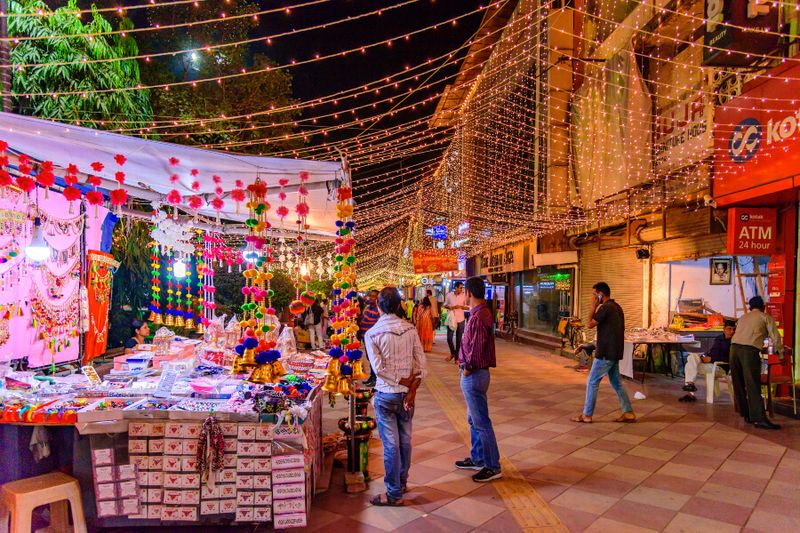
262	449
142	462
244	514
155	446
173	480
245	448
262	514
126	472
104	474
245	481
229	429
230	461
247	432
107	508
207	493
137	446
280	462
154	512
158	429
173	497
191	497
230	445
173	446
169	513
264	432
190	430
190	447
293	505
289	490
189	463
155	479
244	498
228	476
144	478
262	465
227	506
127	489
102	457
262	497
173	430
227	492
262	481
209	507
295	475
191	481
138	429
187	514
245	465
154	495
156	462
286	521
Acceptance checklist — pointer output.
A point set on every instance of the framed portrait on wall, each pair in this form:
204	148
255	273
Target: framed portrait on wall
720	271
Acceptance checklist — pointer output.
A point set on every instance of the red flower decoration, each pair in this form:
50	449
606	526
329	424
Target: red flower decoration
120	177
24	168
26	183
239	184
194	172
218	191
94	181
118	196
195	202
3	160
120	159
46	178
174	161
71	179
195	185
47	166
5	178
238	195
282	211
97	166
301	190
344	193
72	168
283	182
24	159
174	197
258	188
302	209
3	146
72	193
216	179
94	197
282	196
217	204
304	176
173	178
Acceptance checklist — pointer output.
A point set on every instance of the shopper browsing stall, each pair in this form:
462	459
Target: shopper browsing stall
398	361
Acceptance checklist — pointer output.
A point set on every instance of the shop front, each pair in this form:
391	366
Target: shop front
757	164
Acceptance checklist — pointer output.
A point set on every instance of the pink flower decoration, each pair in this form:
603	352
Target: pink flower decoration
238	195
239	184
174	161
304	176
217	204
174	197
195	185
194	172
283	182
282	196
302	209
301	190
216	179
218	191
173	178
26	183
282	211
94	181
195	202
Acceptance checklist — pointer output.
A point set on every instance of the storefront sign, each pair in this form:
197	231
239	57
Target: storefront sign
752	230
683	133
757	145
429	261
733	36
776	278
775	310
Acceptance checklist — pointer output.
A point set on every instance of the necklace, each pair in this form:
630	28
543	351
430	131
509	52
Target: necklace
56	284
62	226
6	313
55	323
101	276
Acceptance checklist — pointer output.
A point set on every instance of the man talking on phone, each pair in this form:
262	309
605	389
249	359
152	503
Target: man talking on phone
397	359
608	318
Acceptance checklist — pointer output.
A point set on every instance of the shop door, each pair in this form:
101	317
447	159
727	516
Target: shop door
623	273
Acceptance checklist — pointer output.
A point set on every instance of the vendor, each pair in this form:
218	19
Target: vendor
719	353
140	331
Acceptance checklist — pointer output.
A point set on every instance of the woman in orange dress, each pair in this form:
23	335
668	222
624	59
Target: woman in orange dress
424	321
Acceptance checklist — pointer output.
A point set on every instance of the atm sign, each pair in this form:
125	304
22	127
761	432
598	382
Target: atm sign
752	230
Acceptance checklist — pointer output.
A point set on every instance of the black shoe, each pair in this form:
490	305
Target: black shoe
689	398
487	474
467	464
689	387
766	424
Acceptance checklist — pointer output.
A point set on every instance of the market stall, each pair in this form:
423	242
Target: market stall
219	424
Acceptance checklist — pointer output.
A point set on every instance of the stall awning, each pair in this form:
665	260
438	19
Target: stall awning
148	167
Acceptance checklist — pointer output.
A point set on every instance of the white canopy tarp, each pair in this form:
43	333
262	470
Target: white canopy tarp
148	168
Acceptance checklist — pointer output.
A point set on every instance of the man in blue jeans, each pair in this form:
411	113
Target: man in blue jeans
608	318
476	356
398	362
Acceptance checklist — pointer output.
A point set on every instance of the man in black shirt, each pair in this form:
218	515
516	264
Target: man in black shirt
609	319
719	353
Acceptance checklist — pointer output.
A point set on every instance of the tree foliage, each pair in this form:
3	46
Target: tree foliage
239	96
62	45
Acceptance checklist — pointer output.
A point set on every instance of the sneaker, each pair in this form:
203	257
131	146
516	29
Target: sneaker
689	387
688	398
467	464
487	474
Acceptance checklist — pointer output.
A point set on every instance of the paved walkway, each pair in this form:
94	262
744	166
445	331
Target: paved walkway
679	469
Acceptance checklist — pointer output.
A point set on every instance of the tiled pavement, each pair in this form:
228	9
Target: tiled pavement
679	469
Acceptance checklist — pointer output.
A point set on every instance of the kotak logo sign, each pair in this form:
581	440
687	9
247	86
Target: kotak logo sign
747	135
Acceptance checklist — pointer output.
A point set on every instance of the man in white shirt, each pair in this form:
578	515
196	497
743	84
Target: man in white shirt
456	303
397	359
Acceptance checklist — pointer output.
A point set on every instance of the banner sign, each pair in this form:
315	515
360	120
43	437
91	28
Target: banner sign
734	31
428	261
752	230
776	278
683	133
756	144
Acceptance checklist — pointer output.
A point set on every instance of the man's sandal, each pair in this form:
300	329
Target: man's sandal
582	419
626	418
382	500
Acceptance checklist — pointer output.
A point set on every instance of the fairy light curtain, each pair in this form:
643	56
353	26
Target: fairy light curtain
40	306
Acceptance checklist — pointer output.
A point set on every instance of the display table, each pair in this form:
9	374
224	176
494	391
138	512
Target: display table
663	342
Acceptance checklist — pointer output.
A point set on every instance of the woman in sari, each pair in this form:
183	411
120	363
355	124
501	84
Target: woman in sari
424	321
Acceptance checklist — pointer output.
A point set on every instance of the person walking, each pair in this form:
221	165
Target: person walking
435	314
752	329
456	303
396	356
424	322
314	323
476	357
608	318
369	317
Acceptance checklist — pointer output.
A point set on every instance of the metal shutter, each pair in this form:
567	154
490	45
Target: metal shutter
624	274
689	248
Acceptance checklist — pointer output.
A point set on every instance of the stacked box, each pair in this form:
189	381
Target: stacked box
289	491
222	499
146	451
181	494
116	485
253	467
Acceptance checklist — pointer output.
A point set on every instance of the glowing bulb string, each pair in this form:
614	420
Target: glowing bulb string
363	48
77	12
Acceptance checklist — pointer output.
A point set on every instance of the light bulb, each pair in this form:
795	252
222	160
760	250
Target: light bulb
38	250
179	269
303	269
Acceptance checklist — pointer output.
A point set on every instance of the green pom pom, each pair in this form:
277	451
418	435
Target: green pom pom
259	315
345	285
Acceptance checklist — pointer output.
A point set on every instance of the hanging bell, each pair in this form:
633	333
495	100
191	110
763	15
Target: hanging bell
170	321
157	320
262	374
358	371
201	329
179	321
334	366
345	387
331	384
277	368
237	367
249	358
189	323
152	317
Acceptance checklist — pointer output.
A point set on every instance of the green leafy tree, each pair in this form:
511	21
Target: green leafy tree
232	97
49	75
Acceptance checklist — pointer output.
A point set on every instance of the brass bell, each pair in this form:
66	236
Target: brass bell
157	320
249	358
358	371
331	384
201	329
170	321
189	324
334	366
179	321
277	368
237	367
262	374
344	388
152	317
